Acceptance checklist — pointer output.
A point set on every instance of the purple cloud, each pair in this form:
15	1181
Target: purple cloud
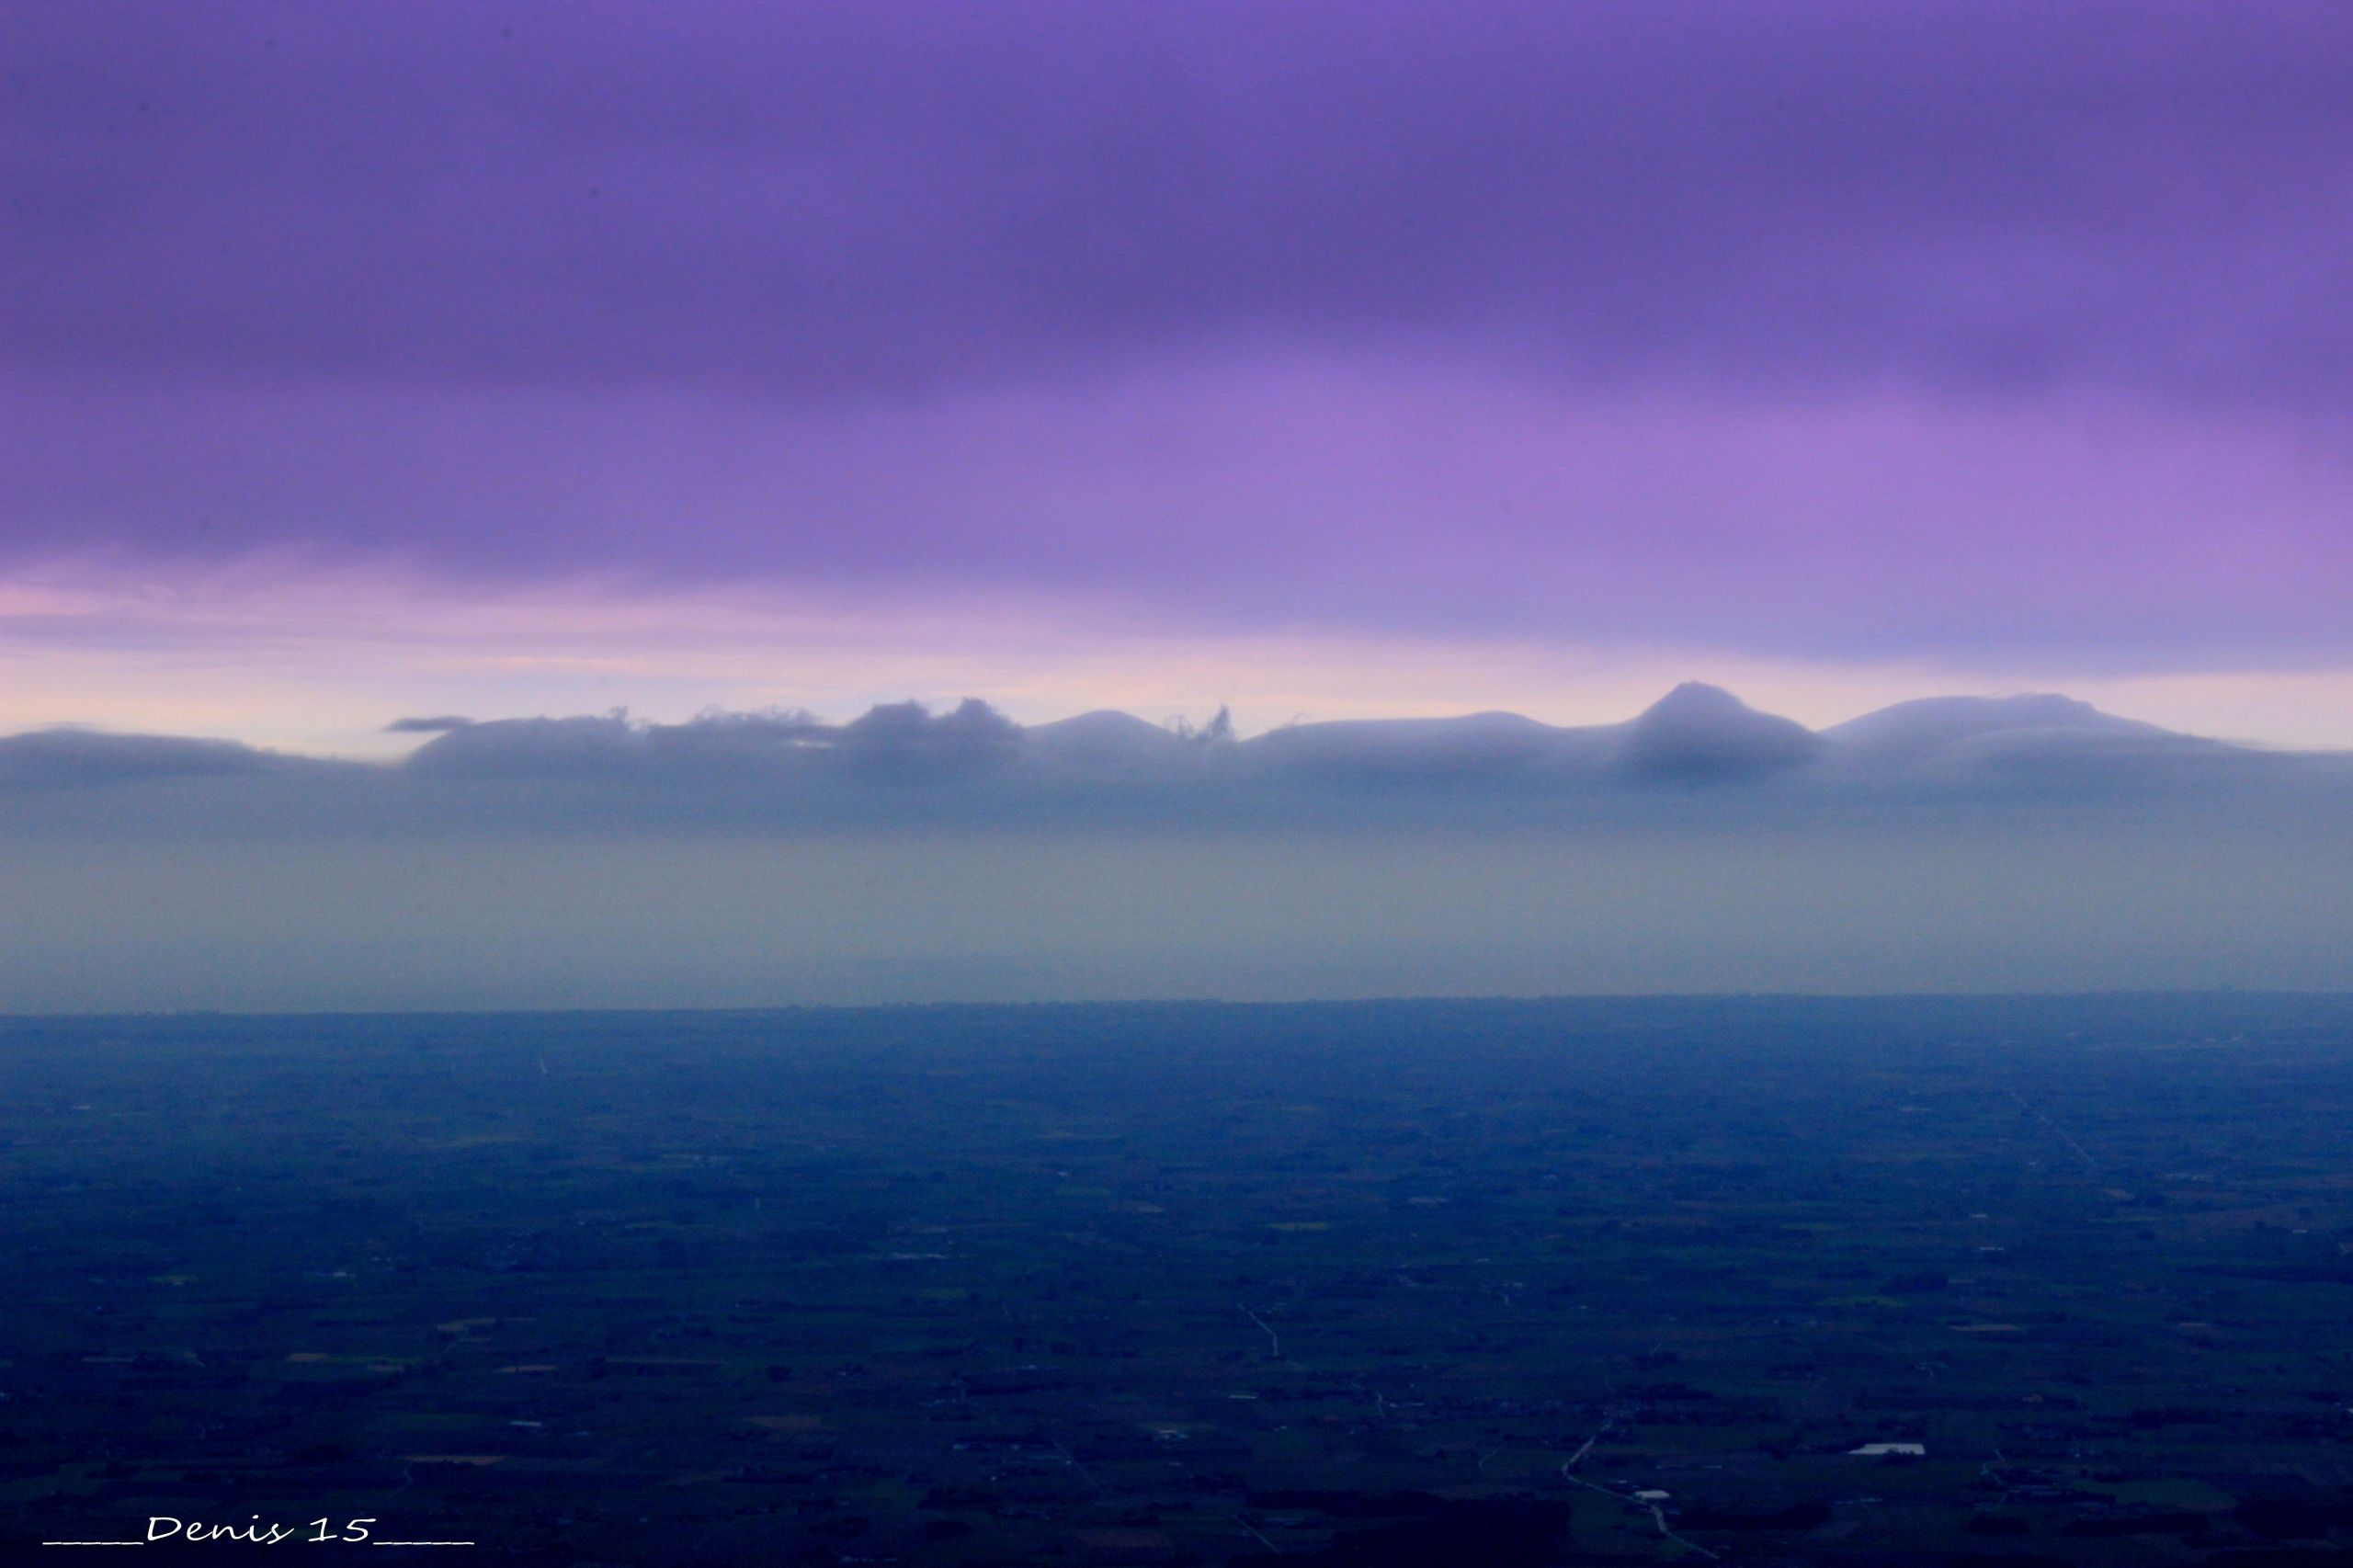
1832	328
840	201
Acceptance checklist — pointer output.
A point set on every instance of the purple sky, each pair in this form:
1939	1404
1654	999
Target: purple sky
2011	339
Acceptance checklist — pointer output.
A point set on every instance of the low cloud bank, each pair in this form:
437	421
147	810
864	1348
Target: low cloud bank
1699	746
753	860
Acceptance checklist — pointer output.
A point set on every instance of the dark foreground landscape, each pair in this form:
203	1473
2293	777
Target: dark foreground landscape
1489	1283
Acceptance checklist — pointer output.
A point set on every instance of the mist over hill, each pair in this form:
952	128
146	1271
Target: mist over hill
1999	844
1697	741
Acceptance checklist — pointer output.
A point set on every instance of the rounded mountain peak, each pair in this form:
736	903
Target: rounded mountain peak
1699	731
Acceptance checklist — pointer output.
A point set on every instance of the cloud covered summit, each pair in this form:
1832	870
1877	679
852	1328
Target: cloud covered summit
905	762
911	854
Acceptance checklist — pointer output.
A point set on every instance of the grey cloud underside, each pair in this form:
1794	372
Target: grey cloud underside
833	202
1699	749
1951	329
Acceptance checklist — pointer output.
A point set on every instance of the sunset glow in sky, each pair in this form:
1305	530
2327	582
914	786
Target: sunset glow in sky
1326	360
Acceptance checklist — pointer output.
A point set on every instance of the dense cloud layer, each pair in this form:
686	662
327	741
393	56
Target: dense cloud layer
2027	843
2010	330
1700	747
833	202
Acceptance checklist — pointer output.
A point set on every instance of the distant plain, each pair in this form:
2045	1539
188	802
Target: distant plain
1197	1284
